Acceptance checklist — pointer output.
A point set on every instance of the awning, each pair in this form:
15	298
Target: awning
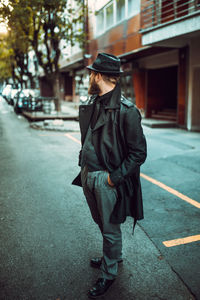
142	52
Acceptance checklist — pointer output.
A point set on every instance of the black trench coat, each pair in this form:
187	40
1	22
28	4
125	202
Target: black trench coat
120	145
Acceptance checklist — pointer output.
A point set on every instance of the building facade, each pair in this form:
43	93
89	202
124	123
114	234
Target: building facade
158	42
174	25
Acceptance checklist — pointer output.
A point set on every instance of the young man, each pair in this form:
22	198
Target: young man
113	148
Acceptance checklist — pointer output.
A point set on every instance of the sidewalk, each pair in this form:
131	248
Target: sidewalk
66	120
69	111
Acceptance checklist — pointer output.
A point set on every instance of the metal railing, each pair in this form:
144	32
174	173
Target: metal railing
159	12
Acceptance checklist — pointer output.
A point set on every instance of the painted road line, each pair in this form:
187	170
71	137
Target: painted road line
154	181
72	138
182	241
170	190
51	134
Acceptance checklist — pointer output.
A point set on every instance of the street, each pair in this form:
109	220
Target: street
48	237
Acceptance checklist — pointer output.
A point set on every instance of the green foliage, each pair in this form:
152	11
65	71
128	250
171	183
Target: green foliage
40	25
6	60
16	40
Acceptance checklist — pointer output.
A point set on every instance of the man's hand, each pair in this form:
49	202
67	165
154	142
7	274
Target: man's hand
109	181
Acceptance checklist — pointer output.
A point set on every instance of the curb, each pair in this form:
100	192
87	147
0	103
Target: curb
56	128
37	118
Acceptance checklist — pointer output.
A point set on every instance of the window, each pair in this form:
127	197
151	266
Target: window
120	10
100	21
127	86
130	5
109	15
133	7
114	12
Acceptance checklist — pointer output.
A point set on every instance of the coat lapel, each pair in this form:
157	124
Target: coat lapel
115	99
101	120
113	104
85	113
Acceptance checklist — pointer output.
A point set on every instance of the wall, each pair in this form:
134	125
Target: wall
123	37
157	61
196	99
193	116
139	83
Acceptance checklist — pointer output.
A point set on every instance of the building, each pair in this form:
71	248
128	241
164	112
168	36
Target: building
176	26
158	42
73	78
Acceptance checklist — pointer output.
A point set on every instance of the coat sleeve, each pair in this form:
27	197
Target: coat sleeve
135	144
79	158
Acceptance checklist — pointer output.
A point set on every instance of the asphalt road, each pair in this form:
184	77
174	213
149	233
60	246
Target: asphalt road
47	236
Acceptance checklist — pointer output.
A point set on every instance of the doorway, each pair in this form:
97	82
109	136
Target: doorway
162	93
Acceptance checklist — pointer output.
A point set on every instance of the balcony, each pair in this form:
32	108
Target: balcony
156	13
166	19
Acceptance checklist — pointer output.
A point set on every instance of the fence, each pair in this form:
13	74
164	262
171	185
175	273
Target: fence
155	13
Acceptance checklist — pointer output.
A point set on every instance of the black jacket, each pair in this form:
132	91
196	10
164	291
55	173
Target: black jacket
121	147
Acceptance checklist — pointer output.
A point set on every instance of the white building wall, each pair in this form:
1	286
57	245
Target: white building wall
193	114
157	61
171	31
100	3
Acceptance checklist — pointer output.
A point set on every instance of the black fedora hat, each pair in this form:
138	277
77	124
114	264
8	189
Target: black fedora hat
107	64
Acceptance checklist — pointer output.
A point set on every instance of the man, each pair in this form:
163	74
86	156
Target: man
113	148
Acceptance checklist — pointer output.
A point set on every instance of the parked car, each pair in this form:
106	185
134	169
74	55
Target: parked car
12	95
17	103
28	100
9	93
6	92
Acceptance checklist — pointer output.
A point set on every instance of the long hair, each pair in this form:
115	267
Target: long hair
111	78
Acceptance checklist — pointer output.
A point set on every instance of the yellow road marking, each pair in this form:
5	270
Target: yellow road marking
170	190
182	241
72	138
51	134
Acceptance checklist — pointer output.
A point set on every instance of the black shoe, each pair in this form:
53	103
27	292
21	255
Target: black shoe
96	262
100	288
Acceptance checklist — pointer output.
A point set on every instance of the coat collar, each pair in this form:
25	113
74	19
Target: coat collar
113	104
114	101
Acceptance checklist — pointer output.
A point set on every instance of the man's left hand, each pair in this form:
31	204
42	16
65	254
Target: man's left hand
109	181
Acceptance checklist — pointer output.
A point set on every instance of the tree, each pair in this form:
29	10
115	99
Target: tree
6	61
41	25
17	43
52	22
